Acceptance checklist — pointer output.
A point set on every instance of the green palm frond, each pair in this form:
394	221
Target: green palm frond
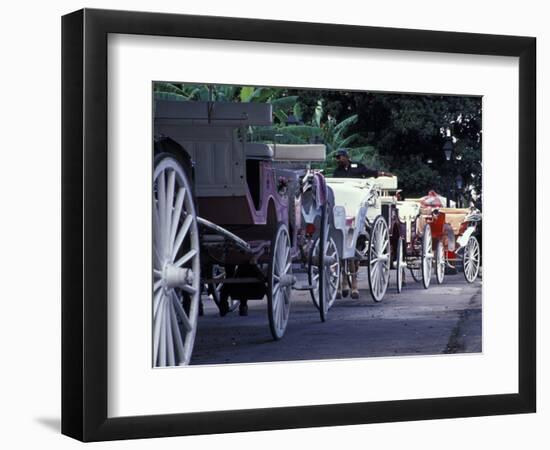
346	142
246	93
262	95
341	128
170	96
172	88
304	131
284	103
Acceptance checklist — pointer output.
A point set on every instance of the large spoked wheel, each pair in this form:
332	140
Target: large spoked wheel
280	281
439	262
399	265
217	274
471	259
427	256
378	255
176	267
331	276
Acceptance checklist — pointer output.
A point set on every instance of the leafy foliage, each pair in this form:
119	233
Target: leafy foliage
402	133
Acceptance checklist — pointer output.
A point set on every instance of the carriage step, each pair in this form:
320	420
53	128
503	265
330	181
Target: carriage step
303	287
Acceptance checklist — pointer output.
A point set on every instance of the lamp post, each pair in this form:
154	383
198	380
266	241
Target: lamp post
448	149
459	184
448	152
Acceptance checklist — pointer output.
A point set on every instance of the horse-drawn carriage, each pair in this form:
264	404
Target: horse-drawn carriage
360	232
455	234
225	215
372	227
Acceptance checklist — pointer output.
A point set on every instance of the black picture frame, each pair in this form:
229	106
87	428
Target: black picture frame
84	224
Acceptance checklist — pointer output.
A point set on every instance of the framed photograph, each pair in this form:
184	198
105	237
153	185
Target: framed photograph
273	224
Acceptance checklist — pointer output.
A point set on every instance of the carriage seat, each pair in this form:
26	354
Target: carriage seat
464	211
255	150
387	199
385	183
299	152
455	217
407	211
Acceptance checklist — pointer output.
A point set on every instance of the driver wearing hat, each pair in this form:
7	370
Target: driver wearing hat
350	169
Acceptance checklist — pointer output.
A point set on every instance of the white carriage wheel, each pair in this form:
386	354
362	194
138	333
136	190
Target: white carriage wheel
440	262
176	266
280	281
471	259
379	258
399	265
332	273
427	256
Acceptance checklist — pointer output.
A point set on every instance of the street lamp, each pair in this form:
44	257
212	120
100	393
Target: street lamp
459	184
448	150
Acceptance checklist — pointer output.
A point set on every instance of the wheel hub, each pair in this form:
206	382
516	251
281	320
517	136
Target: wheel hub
287	280
382	257
174	276
329	260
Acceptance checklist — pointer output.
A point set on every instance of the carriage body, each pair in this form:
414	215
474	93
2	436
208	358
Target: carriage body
459	231
246	224
238	185
410	231
356	202
362	216
455	235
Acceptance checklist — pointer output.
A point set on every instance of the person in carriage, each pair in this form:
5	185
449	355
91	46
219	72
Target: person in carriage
350	169
432	200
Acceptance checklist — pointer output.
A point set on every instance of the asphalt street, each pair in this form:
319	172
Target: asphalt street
442	319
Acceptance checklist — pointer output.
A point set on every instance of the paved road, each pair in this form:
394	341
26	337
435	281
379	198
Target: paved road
443	319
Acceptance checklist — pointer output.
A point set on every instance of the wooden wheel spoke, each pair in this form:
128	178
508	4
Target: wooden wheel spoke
181	235
177	333
170	336
169	204
191	290
161	197
158	247
157	285
182	314
287	267
157	301
176	216
185	258
162	349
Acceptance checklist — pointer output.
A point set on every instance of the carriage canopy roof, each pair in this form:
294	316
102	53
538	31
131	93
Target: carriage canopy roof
224	114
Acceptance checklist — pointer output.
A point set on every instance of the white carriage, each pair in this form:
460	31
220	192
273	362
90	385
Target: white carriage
372	226
360	229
